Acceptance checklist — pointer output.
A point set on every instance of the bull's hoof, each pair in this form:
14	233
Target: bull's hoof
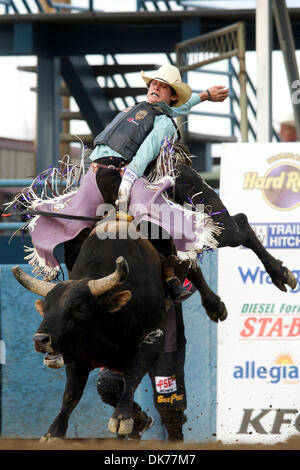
49	439
287	277
120	426
291	280
223	312
217	312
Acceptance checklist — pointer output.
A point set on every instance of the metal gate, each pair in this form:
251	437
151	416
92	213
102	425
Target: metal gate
213	47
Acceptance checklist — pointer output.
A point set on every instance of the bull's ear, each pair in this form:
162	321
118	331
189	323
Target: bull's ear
118	300
39	305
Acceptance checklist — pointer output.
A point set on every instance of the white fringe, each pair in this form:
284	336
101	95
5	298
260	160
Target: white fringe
39	265
188	256
57	183
171	153
207	232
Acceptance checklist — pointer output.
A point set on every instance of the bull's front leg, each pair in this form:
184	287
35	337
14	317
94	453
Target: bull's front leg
213	305
77	374
149	349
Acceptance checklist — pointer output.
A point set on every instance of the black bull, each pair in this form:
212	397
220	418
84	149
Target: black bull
103	316
84	328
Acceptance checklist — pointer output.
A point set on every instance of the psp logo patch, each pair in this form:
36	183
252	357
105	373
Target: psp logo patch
165	384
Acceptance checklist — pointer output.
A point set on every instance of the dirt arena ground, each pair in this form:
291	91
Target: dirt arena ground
115	444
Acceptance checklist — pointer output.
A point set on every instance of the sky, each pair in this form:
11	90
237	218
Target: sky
18	102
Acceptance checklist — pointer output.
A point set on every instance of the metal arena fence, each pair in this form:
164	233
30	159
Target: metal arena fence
213	47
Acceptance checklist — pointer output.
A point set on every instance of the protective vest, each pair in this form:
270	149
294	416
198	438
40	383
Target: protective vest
129	129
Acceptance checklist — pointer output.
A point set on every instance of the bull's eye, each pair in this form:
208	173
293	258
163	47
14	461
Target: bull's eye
80	314
79	319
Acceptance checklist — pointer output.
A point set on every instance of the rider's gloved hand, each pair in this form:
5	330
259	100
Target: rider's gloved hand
128	179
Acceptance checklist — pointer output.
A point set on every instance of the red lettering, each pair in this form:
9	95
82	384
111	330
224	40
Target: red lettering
266	327
295	327
276	328
249	327
263	322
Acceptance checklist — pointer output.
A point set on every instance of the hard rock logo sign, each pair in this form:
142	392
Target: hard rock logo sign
280	186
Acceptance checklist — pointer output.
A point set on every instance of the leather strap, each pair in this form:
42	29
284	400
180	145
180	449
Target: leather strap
110	167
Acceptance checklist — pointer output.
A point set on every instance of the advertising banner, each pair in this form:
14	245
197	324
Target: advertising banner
259	343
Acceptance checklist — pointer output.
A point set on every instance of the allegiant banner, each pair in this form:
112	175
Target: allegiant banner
259	342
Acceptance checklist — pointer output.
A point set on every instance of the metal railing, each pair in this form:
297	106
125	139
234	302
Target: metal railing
213	47
35	6
9	183
163	5
251	103
20	6
142	5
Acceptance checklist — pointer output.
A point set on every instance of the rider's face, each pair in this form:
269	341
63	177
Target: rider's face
160	92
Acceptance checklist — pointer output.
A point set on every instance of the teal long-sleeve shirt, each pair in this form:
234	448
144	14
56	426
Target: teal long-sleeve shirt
163	128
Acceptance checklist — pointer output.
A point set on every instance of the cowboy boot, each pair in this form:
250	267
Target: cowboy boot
173	420
175	289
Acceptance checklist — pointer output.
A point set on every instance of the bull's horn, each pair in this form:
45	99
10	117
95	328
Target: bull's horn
104	284
34	285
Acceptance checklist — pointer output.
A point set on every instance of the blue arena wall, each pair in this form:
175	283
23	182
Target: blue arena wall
31	393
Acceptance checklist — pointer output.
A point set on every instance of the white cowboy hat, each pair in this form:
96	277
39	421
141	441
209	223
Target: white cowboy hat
170	74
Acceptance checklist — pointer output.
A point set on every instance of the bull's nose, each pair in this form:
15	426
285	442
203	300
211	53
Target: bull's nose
41	341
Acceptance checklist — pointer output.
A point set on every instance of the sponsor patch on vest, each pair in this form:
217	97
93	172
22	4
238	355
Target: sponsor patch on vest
133	121
139	115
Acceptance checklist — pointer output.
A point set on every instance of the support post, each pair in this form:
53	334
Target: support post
287	46
243	82
264	70
48	111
